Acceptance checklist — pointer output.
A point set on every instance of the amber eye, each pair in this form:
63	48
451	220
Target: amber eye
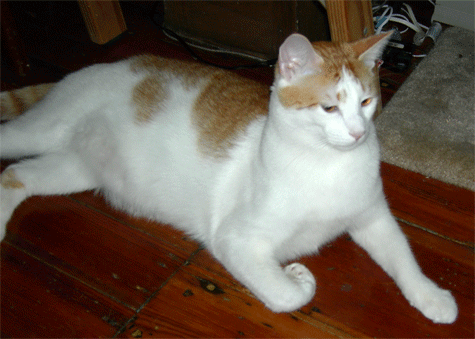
366	102
330	109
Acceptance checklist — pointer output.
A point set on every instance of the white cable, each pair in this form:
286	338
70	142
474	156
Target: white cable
399	18
388	9
413	17
404	22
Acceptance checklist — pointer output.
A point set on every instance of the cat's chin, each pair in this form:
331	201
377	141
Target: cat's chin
347	146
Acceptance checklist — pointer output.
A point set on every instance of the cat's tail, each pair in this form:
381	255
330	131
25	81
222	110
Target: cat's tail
15	102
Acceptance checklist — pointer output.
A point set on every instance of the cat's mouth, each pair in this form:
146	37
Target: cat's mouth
350	143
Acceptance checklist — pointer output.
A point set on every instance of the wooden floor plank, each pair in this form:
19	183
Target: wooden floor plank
163	233
198	302
102	252
442	208
39	301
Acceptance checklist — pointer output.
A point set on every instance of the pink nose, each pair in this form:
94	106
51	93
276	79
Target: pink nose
357	135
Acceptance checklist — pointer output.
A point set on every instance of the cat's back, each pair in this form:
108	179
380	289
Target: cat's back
218	103
143	91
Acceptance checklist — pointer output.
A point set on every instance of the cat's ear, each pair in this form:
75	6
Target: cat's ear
298	58
370	49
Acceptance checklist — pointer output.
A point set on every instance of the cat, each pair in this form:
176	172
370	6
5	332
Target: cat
260	177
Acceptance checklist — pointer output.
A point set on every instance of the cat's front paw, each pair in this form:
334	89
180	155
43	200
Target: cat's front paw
294	291
304	279
302	275
436	304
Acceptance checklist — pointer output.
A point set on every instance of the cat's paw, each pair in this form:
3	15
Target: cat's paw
4	213
304	278
294	291
436	304
3	228
10	198
302	275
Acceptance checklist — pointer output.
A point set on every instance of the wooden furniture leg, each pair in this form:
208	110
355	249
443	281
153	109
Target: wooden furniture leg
349	20
104	19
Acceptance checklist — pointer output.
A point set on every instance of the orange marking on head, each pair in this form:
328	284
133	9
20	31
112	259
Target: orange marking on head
310	90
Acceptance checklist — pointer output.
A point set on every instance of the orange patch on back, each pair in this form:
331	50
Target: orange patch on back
224	108
190	73
9	180
152	91
147	97
226	105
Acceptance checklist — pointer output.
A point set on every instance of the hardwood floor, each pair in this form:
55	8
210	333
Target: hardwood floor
71	266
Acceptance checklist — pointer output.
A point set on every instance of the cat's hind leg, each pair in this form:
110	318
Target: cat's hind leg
33	133
281	289
56	173
43	128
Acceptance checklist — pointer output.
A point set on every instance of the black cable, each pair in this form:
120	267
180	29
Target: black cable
267	63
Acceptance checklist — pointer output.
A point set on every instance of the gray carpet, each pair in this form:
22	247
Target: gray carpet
429	125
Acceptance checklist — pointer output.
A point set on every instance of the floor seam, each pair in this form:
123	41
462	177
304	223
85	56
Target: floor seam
155	293
459	242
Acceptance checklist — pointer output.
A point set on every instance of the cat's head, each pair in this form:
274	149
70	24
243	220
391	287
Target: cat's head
332	86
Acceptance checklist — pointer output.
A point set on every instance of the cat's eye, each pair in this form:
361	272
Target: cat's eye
366	102
330	109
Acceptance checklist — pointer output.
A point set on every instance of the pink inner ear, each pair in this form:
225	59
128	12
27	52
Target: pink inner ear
286	65
297	57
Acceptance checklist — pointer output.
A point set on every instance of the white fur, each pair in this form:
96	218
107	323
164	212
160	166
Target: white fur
293	182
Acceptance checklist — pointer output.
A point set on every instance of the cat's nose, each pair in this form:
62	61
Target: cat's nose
357	135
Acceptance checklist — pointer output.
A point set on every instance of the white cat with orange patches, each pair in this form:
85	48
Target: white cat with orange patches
259	180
